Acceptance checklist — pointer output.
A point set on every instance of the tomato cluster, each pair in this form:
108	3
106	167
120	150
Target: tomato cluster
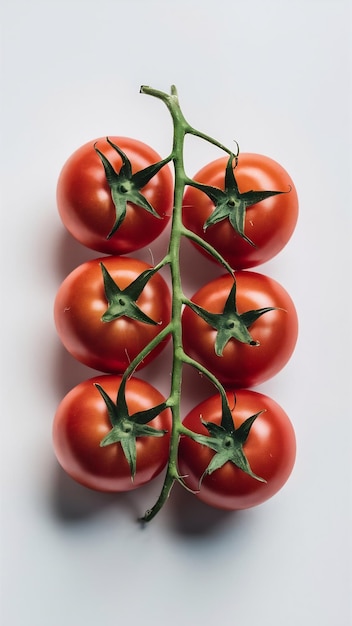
115	314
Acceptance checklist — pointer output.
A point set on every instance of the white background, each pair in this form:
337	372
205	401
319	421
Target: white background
275	76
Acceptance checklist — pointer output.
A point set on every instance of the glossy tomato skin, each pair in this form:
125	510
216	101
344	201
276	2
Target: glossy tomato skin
270	449
80	303
269	224
81	421
243	365
84	199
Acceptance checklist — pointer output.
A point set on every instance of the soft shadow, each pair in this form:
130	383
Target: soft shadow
69	254
191	517
67	372
73	503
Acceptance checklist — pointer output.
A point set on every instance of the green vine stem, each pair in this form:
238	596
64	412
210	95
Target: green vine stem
181	129
223	439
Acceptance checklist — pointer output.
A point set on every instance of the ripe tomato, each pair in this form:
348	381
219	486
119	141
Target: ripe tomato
269	223
241	364
270	450
81	422
81	301
85	202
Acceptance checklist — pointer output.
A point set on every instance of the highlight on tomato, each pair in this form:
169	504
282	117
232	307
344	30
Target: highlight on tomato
115	195
246	207
268	445
244	330
107	449
108	309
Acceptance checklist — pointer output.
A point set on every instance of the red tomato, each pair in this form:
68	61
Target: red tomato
81	302
241	364
82	421
270	450
85	203
269	223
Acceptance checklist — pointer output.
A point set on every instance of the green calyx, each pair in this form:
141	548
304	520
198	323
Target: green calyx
122	302
125	186
126	428
230	324
227	442
231	204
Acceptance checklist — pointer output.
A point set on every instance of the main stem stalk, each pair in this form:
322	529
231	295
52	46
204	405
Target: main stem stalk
180	129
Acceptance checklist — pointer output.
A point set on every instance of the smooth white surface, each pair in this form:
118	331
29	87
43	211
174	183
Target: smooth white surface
276	76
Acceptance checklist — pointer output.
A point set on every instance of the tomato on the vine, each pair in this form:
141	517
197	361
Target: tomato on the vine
267	225
105	335
272	337
270	449
82	421
93	212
